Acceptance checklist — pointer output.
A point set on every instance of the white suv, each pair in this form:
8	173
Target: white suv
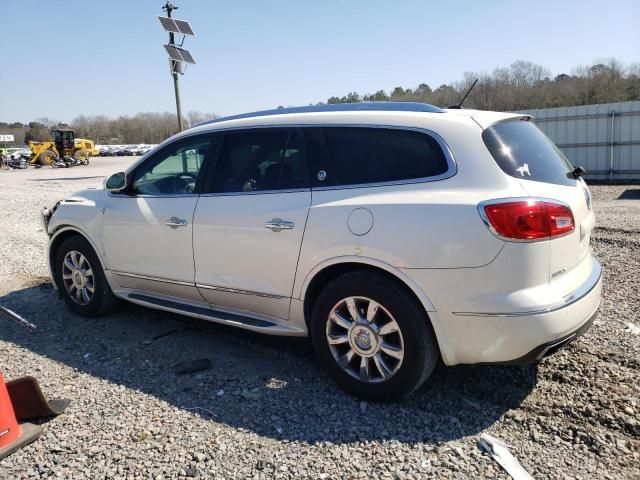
394	234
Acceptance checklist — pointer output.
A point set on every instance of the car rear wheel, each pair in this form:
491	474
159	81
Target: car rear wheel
373	337
80	279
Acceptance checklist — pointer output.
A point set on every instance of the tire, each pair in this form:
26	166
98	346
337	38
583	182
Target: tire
47	157
414	337
101	300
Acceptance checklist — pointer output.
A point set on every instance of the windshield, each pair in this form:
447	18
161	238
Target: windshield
523	151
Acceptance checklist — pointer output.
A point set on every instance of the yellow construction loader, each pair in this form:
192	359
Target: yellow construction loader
88	145
64	147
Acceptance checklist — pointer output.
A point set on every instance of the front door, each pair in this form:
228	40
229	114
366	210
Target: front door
148	227
250	220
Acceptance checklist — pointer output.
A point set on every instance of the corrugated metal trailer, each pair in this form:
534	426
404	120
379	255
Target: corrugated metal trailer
603	138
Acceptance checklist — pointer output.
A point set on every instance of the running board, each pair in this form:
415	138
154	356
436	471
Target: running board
219	316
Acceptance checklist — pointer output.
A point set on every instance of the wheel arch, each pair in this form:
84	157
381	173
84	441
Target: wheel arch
59	236
330	269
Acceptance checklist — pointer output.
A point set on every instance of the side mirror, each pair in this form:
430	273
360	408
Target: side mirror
116	182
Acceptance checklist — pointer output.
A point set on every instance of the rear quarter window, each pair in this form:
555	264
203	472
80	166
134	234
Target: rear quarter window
361	155
522	151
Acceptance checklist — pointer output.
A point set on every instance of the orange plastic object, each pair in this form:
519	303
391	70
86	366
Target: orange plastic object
9	428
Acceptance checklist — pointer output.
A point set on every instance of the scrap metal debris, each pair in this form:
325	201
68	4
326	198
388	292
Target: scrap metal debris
501	454
17	318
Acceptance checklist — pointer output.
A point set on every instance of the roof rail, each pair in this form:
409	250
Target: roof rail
337	107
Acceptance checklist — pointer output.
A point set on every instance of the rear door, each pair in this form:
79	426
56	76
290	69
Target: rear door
524	152
249	222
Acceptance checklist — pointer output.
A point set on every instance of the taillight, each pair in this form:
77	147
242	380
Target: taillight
529	219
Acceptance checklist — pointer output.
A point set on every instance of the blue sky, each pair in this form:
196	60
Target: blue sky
263	53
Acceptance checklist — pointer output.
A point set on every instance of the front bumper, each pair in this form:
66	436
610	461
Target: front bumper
46	215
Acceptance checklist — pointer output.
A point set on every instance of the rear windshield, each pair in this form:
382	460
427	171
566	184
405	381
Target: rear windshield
523	151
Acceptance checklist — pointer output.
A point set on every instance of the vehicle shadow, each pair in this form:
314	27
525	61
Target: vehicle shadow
268	385
630	194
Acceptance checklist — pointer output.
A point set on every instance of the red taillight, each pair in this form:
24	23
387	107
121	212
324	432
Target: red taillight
530	219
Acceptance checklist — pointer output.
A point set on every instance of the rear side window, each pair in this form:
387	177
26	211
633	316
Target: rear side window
523	151
360	155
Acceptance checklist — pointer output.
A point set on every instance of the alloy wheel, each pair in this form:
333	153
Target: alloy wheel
77	276
365	339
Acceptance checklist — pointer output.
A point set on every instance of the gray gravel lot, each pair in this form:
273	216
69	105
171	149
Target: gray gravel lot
264	410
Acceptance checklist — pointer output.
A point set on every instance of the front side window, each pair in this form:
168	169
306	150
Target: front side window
521	150
172	171
361	155
259	160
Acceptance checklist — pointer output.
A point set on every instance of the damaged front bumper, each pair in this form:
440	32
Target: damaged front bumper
46	215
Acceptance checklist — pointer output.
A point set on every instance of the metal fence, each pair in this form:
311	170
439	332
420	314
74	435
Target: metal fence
604	138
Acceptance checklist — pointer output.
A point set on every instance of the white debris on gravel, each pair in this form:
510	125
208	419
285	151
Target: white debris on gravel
631	328
576	415
501	454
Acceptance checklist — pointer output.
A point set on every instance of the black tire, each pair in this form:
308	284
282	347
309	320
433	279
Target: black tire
103	300
421	354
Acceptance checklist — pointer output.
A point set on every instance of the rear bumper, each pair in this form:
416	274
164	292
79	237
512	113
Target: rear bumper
549	348
520	336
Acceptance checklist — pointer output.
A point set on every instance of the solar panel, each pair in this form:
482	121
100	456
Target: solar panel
179	54
173	52
186	55
169	24
184	27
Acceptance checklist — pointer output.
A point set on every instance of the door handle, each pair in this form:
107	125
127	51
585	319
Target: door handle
175	222
279	224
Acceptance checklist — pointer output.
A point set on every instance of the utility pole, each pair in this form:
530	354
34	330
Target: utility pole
179	57
169	7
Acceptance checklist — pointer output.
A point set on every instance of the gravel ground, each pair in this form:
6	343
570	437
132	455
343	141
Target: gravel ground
264	409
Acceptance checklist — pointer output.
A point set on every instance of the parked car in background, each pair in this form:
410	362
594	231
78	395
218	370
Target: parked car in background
18	153
148	148
138	149
105	150
393	234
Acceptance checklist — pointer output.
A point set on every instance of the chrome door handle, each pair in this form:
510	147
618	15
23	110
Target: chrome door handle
278	224
175	222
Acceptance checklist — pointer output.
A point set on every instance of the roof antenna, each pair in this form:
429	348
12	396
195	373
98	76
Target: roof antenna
465	95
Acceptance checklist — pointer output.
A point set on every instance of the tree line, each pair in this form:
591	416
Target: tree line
522	85
519	86
150	128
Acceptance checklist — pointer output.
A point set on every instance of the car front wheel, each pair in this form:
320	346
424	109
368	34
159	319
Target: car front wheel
80	279
373	337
